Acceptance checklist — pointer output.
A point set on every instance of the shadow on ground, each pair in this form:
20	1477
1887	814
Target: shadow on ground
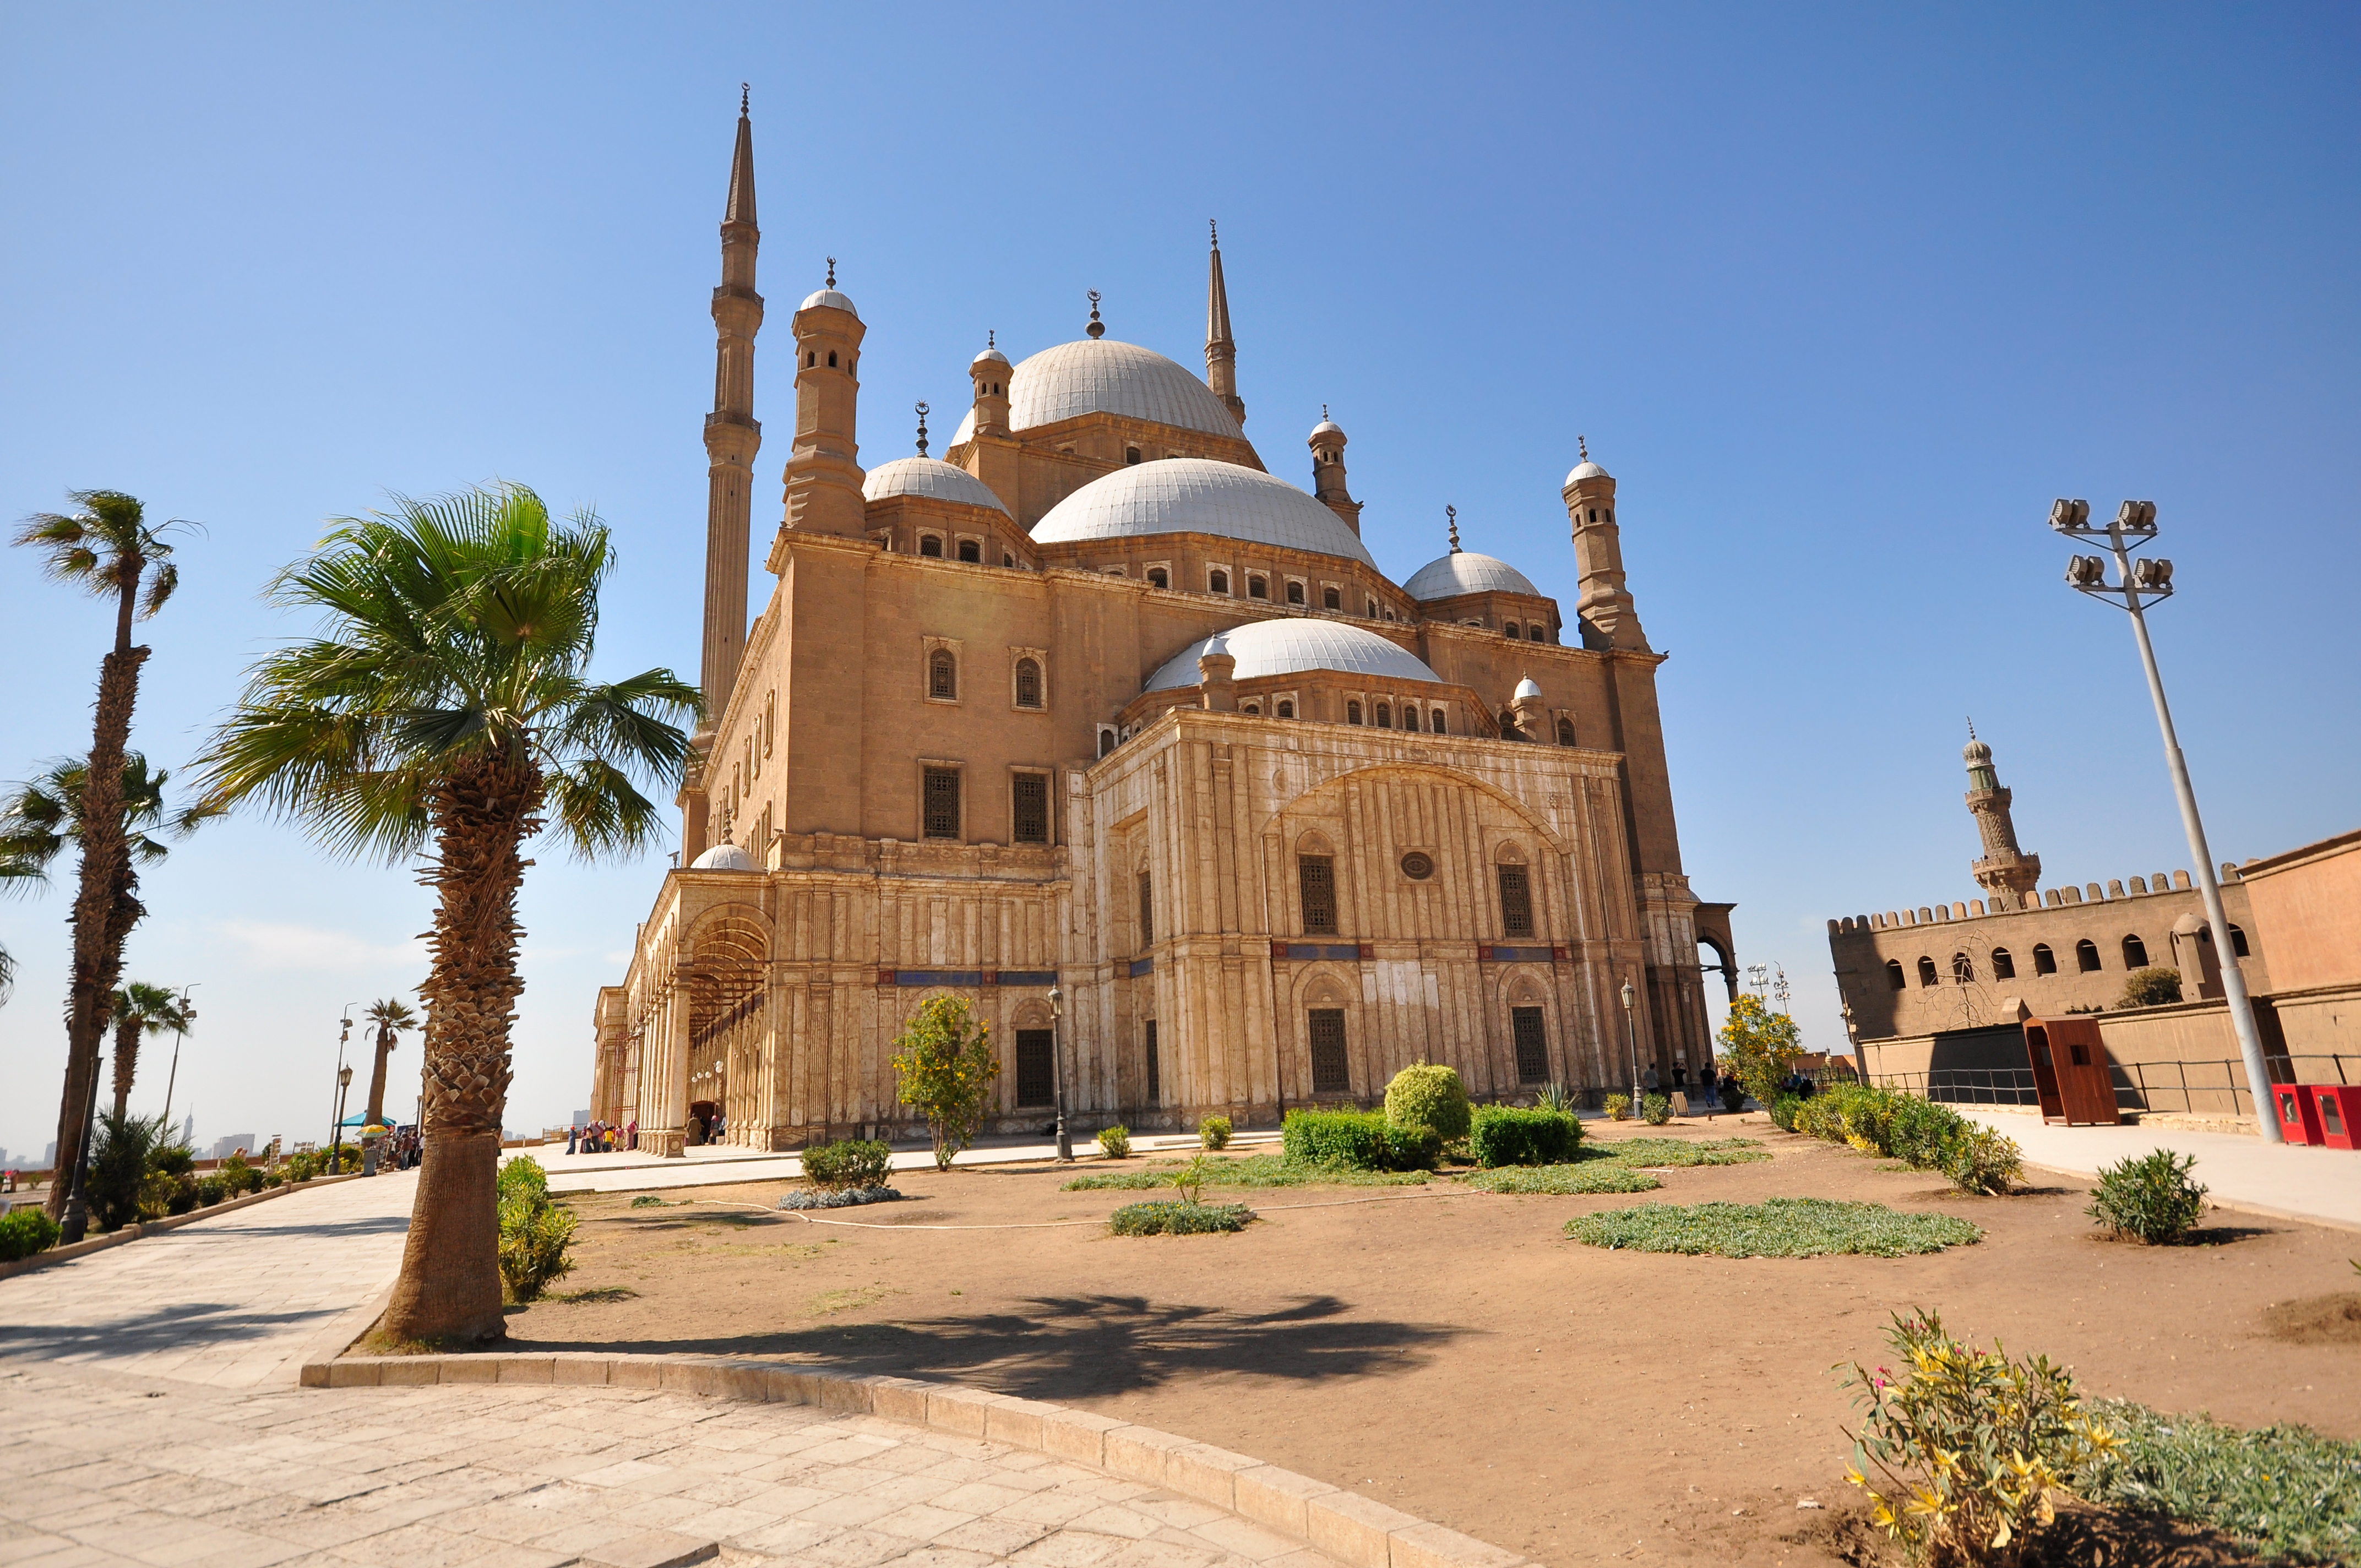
1071	1347
181	1326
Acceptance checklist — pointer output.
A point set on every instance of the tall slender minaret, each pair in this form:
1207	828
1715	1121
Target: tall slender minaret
2005	870
732	434
1221	350
1604	602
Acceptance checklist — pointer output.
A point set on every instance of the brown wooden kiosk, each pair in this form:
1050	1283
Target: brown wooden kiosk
2070	1071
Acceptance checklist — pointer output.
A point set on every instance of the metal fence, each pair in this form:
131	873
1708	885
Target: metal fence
2194	1087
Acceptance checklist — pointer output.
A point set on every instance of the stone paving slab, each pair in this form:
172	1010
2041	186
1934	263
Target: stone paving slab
2290	1181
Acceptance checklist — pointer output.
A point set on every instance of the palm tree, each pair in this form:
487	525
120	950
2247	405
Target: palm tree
107	549
391	1016
141	1008
444	713
37	819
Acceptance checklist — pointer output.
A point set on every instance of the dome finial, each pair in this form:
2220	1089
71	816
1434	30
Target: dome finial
990	338
1972	727
832	271
743	91
1215	229
1097	327
922	428
1452	513
1582	445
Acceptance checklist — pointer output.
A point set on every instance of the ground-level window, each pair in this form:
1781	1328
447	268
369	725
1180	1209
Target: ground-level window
1036	1072
2003	965
2086	955
1155	1076
1316	879
1031	814
1331	1073
2043	960
1516	902
942	803
1532	1044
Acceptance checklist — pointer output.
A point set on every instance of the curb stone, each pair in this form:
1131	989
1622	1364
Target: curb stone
1358	1532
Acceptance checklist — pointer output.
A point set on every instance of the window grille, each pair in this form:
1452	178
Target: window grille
1036	1070
1331	1072
1532	1044
1032	809
942	803
1029	683
942	674
1516	900
1316	876
1154	1079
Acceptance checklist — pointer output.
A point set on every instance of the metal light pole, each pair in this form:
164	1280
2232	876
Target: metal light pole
344	1076
2133	526
174	1077
1632	1034
1058	1068
336	1151
1779	991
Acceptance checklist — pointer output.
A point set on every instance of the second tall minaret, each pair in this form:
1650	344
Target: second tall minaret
2005	871
1221	350
731	435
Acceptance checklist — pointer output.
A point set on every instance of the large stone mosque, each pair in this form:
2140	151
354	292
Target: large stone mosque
1094	702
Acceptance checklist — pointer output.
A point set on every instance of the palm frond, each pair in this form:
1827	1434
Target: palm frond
96	549
594	807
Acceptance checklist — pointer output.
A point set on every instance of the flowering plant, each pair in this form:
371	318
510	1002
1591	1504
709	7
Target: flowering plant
946	1065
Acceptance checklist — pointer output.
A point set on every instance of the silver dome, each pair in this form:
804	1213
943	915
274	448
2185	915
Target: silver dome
1198	494
833	300
1103	376
1467	572
931	478
1585	471
1528	687
1285	647
723	858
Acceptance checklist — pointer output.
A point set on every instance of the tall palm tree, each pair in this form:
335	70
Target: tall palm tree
445	712
107	549
391	1016
39	818
142	1009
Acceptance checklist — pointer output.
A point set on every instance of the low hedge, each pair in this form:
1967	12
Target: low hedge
1505	1135
1919	1133
1178	1219
1361	1139
848	1162
24	1232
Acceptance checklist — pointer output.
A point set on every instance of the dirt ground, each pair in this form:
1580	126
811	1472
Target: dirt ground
1451	1352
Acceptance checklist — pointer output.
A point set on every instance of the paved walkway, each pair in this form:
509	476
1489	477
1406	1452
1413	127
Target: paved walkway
2296	1182
105	1469
716	1164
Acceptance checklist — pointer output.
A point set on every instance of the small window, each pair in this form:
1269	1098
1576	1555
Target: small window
2043	960
1926	972
942	803
1963	970
1036	1071
1410	717
1131	454
931	546
1147	909
1217	581
1511	629
1331	599
1565	731
942	676
2135	953
1294	592
1516	900
1107	742
2238	941
1532	1044
1258	585
1352	713
810	359
1610	514
2086	955
1154	1079
1315	877
1384	716
971	550
1029	683
1894	975
1007	559
1373	609
1287	708
1253	707
1331	1073
831	358
2003	966
1434	721
1030	797
1158	578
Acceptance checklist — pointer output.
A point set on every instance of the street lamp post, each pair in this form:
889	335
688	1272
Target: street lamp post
1058	1068
2151	579
1632	1034
344	1076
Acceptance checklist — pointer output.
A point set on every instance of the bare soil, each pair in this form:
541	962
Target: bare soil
1452	1354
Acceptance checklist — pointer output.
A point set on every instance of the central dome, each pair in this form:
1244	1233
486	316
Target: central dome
1286	647
1197	495
1101	376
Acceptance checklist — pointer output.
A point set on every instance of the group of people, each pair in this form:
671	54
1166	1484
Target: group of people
1709	1091
602	1138
400	1149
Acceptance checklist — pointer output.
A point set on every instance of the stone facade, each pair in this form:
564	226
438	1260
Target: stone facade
1098	703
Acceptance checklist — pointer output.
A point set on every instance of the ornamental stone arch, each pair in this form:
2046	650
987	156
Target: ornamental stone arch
1565	1056
1325	988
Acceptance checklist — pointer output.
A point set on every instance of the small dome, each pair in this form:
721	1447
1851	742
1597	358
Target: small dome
1198	494
1286	647
1467	572
723	858
833	300
1587	470
1528	687
1103	376
931	478
1976	754
1326	427
989	357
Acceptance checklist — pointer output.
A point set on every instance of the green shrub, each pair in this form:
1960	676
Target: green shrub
211	1189
1422	1095
1502	1135
649	1201
1361	1139
1590	1176
120	1147
848	1162
533	1230
1213	1132
944	1066
1559	1098
1970	1448
1618	1107
1777	1227
2150	1198
1116	1142
1981	1160
1919	1133
1178	1219
2152	987
24	1232
523	1178
239	1178
1655	1110
2285	1490
1783	1108
300	1166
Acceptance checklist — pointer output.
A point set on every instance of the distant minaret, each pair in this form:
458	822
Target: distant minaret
731	435
1604	602
1221	350
1327	443
2005	871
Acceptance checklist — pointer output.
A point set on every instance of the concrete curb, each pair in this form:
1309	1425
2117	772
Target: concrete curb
132	1233
1358	1531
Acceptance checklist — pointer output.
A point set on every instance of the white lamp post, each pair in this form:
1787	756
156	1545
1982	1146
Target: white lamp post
1058	1069
1632	1034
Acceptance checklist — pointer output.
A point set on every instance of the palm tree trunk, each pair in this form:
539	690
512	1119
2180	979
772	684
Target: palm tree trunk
385	1039
100	922
126	1062
483	812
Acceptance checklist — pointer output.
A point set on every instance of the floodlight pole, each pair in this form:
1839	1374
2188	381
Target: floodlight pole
1058	1068
2133	526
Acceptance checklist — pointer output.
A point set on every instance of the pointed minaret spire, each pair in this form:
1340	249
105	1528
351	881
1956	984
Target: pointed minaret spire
741	169
1221	349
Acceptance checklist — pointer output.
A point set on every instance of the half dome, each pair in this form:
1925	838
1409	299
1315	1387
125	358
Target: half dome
1286	647
1198	494
723	858
930	477
1103	376
1467	572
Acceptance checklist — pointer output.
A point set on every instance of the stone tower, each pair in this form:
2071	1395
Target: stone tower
1221	350
2005	871
1604	603
824	466
1327	443
732	434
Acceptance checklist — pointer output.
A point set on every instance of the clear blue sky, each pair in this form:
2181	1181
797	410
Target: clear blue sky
1842	297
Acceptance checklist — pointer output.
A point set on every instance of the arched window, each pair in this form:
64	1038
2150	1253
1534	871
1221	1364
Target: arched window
1331	1064
1315	881
1131	454
1373	609
1434	721
1287	708
1029	683
2003	966
1331	599
1258	585
1927	971
2043	960
1217	581
1107	742
831	358
810	359
1158	578
1385	715
1565	731
971	550
942	674
1294	592
1410	716
1894	975
1516	900
1963	968
1253	707
1352	713
2135	953
2238	941
2086	955
1511	629
930	545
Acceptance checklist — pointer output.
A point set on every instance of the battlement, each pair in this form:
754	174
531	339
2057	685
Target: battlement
2054	898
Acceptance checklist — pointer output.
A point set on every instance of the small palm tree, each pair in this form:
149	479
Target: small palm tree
391	1016
142	1009
111	550
445	712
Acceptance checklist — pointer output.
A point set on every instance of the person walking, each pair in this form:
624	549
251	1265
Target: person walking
573	1139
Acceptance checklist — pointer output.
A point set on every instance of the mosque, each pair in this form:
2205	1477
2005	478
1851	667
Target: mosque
1098	725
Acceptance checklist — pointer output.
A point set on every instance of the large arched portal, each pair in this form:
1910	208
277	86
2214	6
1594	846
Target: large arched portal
728	1033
